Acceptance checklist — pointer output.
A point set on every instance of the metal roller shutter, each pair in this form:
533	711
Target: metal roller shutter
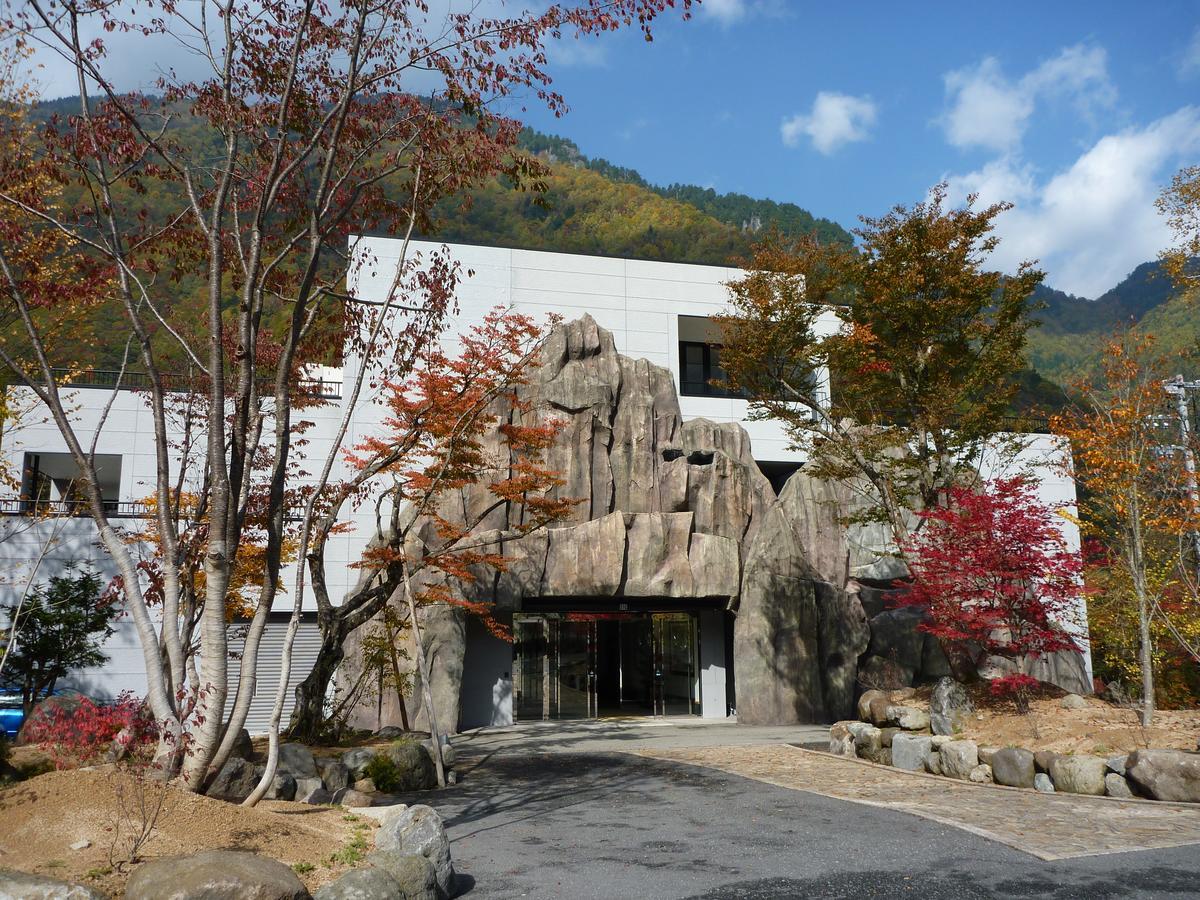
304	655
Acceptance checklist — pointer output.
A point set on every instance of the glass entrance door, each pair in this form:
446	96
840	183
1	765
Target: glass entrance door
675	665
566	664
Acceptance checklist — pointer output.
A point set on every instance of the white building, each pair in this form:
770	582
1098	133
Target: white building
657	310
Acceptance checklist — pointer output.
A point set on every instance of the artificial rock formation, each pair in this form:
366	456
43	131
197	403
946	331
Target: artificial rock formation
680	510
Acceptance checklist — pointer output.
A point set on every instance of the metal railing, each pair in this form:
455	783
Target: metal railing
140	381
117	509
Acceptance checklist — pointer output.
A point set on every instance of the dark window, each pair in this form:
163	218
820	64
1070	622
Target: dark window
699	367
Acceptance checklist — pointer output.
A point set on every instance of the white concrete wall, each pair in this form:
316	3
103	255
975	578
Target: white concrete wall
712	664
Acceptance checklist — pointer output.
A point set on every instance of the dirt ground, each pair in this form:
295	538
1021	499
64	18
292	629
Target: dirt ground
43	816
1102	728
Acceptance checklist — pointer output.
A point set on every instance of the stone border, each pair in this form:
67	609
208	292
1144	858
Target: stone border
963	782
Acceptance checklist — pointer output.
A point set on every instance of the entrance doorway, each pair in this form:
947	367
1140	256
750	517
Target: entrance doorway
584	665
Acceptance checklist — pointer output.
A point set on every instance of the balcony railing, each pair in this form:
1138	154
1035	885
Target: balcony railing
140	381
117	509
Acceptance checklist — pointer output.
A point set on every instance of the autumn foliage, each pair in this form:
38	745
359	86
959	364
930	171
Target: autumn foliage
995	574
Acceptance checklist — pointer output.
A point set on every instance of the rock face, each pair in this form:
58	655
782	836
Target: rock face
1166	774
675	511
419	831
215	875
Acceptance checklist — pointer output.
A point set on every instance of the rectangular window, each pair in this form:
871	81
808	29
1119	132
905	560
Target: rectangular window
699	367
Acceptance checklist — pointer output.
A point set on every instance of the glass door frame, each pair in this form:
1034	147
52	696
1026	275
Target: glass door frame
664	659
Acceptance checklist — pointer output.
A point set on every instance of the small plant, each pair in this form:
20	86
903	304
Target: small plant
355	850
303	868
382	770
97	873
141	802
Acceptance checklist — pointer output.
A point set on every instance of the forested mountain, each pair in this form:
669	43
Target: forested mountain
593	206
1073	329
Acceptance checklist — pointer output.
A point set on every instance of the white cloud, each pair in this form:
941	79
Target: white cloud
987	109
836	119
724	11
1094	221
1190	63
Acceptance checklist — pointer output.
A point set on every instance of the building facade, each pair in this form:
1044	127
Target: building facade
572	655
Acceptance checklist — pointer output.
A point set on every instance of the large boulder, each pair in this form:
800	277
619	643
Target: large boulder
959	758
414	767
949	707
1166	774
335	774
235	781
215	875
362	884
297	760
356	760
1079	774
909	751
414	874
1013	766
418	830
24	886
841	740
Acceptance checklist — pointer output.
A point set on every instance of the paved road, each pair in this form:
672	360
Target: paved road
610	825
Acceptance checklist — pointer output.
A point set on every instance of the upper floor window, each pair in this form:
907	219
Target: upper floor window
699	368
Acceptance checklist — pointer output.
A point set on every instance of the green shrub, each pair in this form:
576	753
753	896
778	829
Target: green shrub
382	770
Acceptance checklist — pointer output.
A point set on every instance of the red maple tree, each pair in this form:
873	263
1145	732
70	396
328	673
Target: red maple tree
996	575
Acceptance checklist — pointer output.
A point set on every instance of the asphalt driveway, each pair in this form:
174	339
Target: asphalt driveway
612	825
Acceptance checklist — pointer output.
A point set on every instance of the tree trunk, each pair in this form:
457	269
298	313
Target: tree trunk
1146	656
308	715
426	686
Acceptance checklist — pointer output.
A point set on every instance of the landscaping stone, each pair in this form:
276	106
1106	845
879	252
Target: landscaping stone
413	873
215	875
864	703
986	754
841	740
937	740
1117	764
981	774
910	718
23	886
305	786
235	781
1079	774
335	775
283	787
243	746
362	884
1042	760
415	769
390	732
1116	786
909	751
316	797
357	759
366	785
959	758
949	707
867	738
419	830
350	797
933	762
1166	774
43	711
81	845
449	754
1042	783
1014	767
296	759
1073	701
886	735
882	756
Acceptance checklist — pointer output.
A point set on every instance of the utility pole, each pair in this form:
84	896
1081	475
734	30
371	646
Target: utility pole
1178	388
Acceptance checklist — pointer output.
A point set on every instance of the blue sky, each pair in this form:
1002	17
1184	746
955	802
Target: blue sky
1076	112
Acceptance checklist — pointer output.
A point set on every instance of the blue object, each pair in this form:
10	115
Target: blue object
11	715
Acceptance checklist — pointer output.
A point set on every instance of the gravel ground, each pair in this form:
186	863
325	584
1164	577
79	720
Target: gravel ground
611	825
